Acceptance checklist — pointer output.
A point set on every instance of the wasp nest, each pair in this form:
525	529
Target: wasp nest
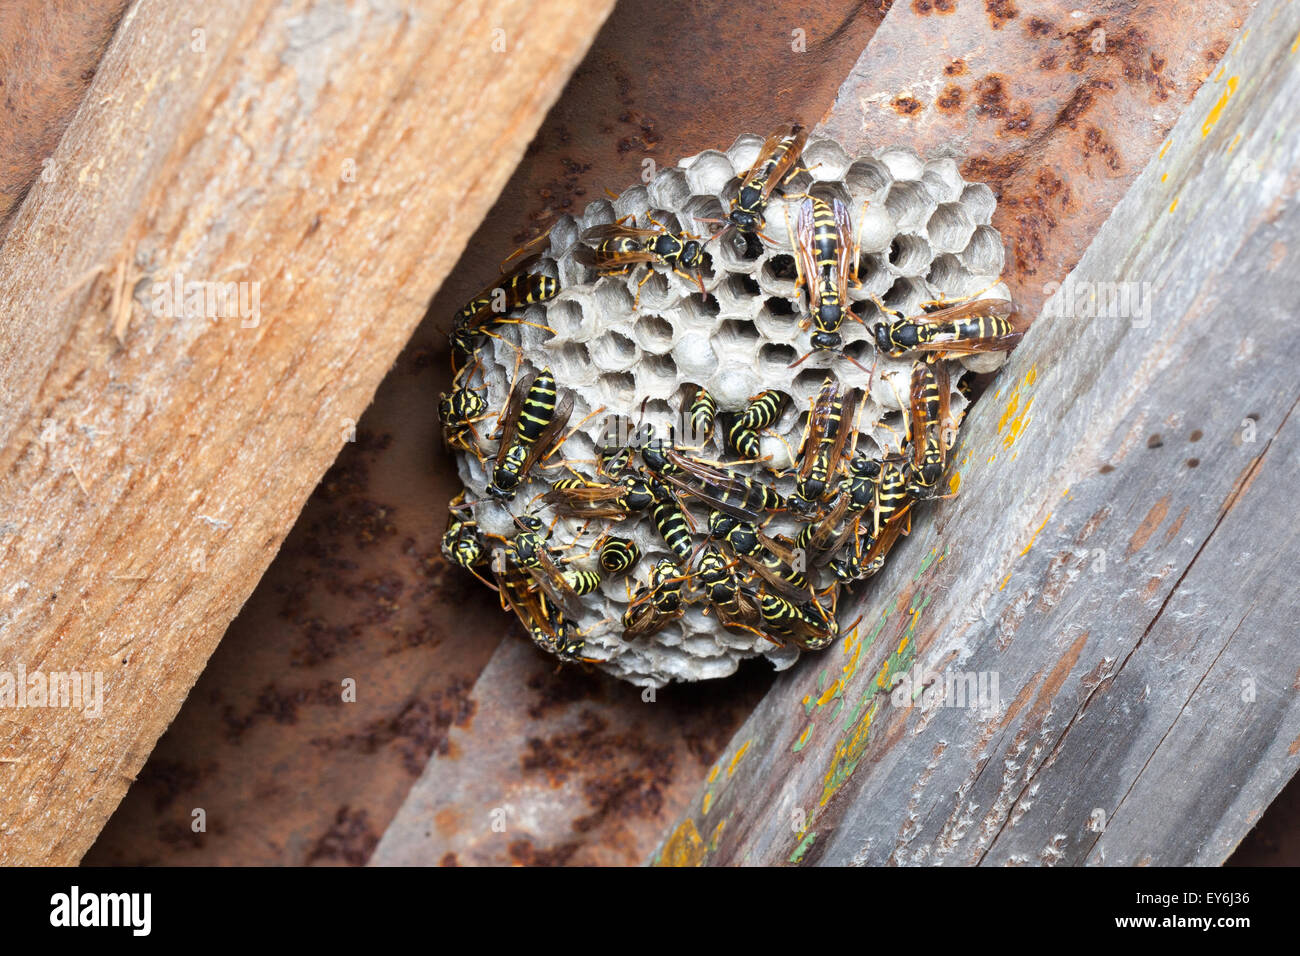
923	235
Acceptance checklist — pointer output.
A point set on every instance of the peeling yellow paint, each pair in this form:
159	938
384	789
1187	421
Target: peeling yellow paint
954	482
1034	537
1173	205
713	774
1218	108
1235	140
1163	177
735	761
684	847
1296	46
706	802
1218	76
1165	148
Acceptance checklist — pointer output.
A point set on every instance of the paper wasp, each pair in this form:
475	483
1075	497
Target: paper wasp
516	291
769	557
654	607
584	499
977	325
462	544
534	417
808	624
719	487
459	410
890	518
826	262
618	555
618	248
722	588
703	412
528	551
829	427
761	412
777	158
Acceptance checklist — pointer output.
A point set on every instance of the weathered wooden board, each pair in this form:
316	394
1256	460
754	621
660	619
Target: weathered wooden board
1117	558
331	158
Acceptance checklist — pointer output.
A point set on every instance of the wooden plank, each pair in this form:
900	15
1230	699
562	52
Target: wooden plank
1110	560
48	53
332	157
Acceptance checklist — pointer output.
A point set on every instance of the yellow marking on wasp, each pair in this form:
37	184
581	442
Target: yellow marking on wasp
735	761
1218	108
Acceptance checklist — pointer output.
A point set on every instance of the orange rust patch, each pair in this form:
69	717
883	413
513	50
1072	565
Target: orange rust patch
1149	524
1018	704
447	821
1294	748
1000	12
955	68
924	8
906	105
950	100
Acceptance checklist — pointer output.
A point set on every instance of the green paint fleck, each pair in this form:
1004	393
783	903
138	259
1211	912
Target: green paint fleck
802	848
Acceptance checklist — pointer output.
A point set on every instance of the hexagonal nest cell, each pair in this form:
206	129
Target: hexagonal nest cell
641	350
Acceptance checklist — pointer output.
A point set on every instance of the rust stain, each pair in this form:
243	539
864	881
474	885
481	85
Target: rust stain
906	105
1241	485
1000	12
956	68
950	100
1020	701
1295	747
1177	525
1148	526
924	8
1052	685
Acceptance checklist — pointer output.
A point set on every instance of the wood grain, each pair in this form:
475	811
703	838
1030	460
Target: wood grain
1116	557
334	156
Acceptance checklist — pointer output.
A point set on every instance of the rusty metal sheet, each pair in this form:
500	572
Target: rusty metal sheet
289	774
1056	105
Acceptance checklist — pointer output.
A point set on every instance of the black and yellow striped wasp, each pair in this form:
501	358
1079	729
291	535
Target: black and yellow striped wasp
462	544
771	558
717	486
618	555
528	550
826	262
777	159
722	587
517	290
928	422
701	415
654	607
460	410
890	518
579	498
616	248
830	423
976	325
534	417
808	624
762	412
856	492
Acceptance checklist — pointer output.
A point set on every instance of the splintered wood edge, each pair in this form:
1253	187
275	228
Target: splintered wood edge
327	162
1110	558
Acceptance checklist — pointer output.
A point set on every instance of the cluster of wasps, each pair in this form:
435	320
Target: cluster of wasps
850	507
